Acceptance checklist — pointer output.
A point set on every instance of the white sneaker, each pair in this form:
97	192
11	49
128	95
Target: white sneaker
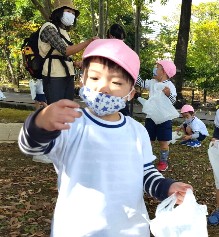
42	159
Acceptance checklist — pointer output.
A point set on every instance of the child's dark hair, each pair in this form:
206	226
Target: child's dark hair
116	31
191	112
112	65
56	17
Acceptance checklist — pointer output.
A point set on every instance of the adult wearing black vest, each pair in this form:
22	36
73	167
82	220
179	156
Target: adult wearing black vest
55	45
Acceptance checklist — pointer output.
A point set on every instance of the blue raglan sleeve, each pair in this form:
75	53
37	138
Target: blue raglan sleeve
36	141
154	183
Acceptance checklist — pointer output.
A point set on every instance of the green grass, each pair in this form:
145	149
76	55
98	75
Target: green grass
8	115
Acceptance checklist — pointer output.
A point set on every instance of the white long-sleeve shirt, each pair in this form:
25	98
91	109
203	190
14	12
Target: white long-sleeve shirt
103	169
150	84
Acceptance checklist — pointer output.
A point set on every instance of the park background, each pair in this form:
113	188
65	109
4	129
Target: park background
188	35
182	31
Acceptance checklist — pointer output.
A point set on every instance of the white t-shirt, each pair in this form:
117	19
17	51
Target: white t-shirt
100	178
36	87
152	84
198	126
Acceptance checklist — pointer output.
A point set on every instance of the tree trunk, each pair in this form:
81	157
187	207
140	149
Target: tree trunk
9	64
137	39
44	9
193	95
101	19
106	17
137	28
182	45
94	32
205	96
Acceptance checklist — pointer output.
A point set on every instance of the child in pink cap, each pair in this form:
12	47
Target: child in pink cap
103	159
162	72
195	131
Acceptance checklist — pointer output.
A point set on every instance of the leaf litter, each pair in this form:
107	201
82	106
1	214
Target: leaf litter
28	189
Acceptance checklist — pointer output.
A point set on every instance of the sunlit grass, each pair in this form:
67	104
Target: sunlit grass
8	115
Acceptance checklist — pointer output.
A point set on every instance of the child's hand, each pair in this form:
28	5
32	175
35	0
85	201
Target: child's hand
178	129
78	64
56	116
166	91
186	137
180	189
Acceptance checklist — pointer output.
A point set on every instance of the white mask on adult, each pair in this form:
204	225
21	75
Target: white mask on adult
68	18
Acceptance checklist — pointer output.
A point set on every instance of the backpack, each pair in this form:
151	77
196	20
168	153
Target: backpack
32	60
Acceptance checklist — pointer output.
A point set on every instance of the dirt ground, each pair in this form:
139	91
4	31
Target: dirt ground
28	190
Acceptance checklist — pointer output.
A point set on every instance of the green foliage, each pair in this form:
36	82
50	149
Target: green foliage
203	51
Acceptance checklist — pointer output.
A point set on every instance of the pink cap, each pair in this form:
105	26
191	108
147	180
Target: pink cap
186	109
117	51
168	66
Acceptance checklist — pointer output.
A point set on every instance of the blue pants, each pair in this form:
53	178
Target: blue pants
161	132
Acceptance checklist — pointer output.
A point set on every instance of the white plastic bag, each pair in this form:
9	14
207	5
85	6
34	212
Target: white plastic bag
158	107
175	137
213	154
2	96
32	84
185	220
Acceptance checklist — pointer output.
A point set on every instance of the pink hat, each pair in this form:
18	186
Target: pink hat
117	51
168	66
186	109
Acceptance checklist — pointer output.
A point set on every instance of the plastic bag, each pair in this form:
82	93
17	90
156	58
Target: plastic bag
175	137
2	96
185	220
32	84
158	107
213	154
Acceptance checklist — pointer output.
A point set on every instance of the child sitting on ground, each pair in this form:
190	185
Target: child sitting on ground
103	159
193	128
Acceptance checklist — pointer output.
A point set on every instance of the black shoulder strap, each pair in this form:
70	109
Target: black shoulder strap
24	43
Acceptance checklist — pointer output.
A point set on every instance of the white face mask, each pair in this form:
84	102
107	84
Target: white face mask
102	104
68	18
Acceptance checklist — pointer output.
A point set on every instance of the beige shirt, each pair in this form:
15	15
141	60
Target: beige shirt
57	70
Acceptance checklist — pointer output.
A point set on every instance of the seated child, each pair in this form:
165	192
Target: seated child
213	219
194	129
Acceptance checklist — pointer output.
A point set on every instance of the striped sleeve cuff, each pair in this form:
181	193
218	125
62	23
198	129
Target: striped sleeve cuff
35	141
154	182
140	82
172	98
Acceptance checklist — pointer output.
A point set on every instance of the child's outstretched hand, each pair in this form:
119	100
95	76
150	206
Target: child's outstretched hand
180	189
56	116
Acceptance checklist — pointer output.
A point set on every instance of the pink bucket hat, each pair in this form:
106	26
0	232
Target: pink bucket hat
117	51
186	109
168	66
